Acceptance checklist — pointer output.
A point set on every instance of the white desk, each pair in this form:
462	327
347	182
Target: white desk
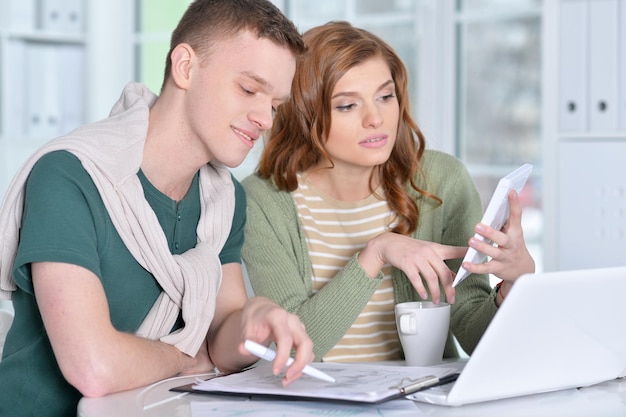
605	400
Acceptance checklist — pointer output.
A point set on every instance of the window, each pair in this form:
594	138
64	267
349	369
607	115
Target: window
394	21
156	19
498	98
494	121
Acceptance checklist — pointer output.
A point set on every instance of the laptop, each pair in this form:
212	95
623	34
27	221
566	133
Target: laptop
554	331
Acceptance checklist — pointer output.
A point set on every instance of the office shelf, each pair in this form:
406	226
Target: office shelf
42	89
584	124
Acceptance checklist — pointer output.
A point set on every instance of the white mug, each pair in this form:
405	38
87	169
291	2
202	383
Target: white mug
423	330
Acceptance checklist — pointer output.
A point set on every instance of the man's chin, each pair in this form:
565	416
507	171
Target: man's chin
234	162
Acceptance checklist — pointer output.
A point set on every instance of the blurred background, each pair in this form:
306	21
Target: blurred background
497	83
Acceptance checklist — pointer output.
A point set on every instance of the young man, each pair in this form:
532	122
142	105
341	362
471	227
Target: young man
121	240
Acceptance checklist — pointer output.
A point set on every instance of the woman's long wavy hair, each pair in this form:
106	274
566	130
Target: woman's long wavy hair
301	125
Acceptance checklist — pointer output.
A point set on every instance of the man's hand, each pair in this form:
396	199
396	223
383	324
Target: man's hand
263	321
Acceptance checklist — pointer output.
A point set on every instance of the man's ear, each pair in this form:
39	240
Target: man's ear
182	57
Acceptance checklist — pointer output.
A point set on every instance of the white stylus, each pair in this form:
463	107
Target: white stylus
269	355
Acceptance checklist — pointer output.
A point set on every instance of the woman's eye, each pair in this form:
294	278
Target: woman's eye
345	107
387	97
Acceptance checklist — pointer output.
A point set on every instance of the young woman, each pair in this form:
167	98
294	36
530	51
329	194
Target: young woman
349	214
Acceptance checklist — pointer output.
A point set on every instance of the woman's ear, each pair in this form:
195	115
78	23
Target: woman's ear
182	57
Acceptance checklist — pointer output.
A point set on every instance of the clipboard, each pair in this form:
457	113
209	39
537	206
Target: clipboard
355	382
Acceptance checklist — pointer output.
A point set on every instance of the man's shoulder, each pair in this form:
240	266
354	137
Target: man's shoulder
58	159
56	165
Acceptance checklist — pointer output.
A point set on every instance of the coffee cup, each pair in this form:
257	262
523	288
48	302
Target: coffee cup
423	330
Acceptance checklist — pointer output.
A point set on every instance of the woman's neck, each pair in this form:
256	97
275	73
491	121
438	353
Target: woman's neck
343	185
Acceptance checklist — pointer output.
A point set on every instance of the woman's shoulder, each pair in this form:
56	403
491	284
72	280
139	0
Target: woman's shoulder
259	189
439	160
265	201
255	183
443	174
438	166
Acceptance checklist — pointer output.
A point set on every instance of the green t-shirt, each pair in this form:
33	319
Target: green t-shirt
65	220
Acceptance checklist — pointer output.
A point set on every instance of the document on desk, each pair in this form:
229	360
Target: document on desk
355	382
301	409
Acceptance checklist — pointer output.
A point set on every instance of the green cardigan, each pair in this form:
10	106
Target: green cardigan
277	260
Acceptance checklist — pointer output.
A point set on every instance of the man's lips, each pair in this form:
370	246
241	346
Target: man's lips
249	136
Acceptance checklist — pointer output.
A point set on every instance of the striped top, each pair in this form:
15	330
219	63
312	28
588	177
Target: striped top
334	231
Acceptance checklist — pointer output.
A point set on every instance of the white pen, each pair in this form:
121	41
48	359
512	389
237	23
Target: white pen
269	355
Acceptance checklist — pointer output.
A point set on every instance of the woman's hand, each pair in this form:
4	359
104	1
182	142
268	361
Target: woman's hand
510	257
417	259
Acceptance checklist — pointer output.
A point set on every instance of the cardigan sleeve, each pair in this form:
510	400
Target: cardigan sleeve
277	261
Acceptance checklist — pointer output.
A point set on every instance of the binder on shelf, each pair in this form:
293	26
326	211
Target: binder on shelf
72	85
42	116
65	16
603	65
622	66
49	16
17	14
599	240
573	65
53	97
14	97
72	19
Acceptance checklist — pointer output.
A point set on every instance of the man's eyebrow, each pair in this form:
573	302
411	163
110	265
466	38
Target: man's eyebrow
263	82
256	78
351	93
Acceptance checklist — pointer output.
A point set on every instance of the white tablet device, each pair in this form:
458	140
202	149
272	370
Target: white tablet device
496	213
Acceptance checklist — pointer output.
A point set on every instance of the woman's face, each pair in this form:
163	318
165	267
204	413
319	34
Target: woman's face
364	116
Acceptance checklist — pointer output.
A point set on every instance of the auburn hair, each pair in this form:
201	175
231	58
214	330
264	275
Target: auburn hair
301	125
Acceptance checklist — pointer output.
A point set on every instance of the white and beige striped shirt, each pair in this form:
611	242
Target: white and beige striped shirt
335	231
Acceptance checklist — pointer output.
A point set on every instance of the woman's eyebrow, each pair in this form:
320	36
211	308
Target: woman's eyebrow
353	94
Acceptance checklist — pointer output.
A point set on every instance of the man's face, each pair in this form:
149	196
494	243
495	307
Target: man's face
233	94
